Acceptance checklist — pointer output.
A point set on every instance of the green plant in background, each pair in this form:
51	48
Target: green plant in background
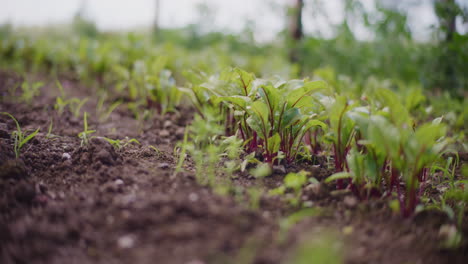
323	247
381	148
286	223
29	91
74	104
201	145
118	144
255	195
150	82
85	134
416	152
232	147
20	138
107	113
395	154
294	182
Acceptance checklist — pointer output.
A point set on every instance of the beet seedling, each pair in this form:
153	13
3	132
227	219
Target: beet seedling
396	156
85	134
118	144
74	105
157	91
106	114
20	138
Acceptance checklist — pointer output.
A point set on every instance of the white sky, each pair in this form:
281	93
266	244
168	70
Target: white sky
229	14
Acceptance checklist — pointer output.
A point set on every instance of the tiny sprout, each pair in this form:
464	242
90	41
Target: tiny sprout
121	143
20	138
84	135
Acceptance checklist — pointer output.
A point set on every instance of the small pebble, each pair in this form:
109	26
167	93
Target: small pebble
193	197
66	156
127	241
279	169
61	195
163	165
196	261
347	230
315	188
164	133
180	131
167	123
118	182
350	201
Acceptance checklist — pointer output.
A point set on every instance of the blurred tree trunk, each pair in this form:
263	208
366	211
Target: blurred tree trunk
156	17
296	31
447	11
296	20
451	19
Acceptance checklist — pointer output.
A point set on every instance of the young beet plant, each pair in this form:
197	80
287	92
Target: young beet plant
384	152
141	84
20	138
418	150
392	156
341	134
287	114
271	117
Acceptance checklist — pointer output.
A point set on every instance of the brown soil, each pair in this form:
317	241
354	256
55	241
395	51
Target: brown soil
66	203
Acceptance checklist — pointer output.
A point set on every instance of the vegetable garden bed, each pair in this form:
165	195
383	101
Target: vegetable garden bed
123	191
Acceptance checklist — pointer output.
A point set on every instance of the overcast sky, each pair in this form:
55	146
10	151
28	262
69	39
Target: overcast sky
229	15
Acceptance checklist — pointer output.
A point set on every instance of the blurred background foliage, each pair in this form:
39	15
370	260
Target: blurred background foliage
389	52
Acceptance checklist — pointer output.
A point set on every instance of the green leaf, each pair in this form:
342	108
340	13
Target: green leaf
437	120
261	171
313	180
240	101
277	191
248	159
295	180
256	124
260	109
296	95
258	120
245	80
29	137
338	176
428	134
290	116
398	113
313	123
270	95
336	110
274	143
384	136
18	127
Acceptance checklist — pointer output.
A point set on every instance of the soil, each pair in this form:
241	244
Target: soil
64	202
